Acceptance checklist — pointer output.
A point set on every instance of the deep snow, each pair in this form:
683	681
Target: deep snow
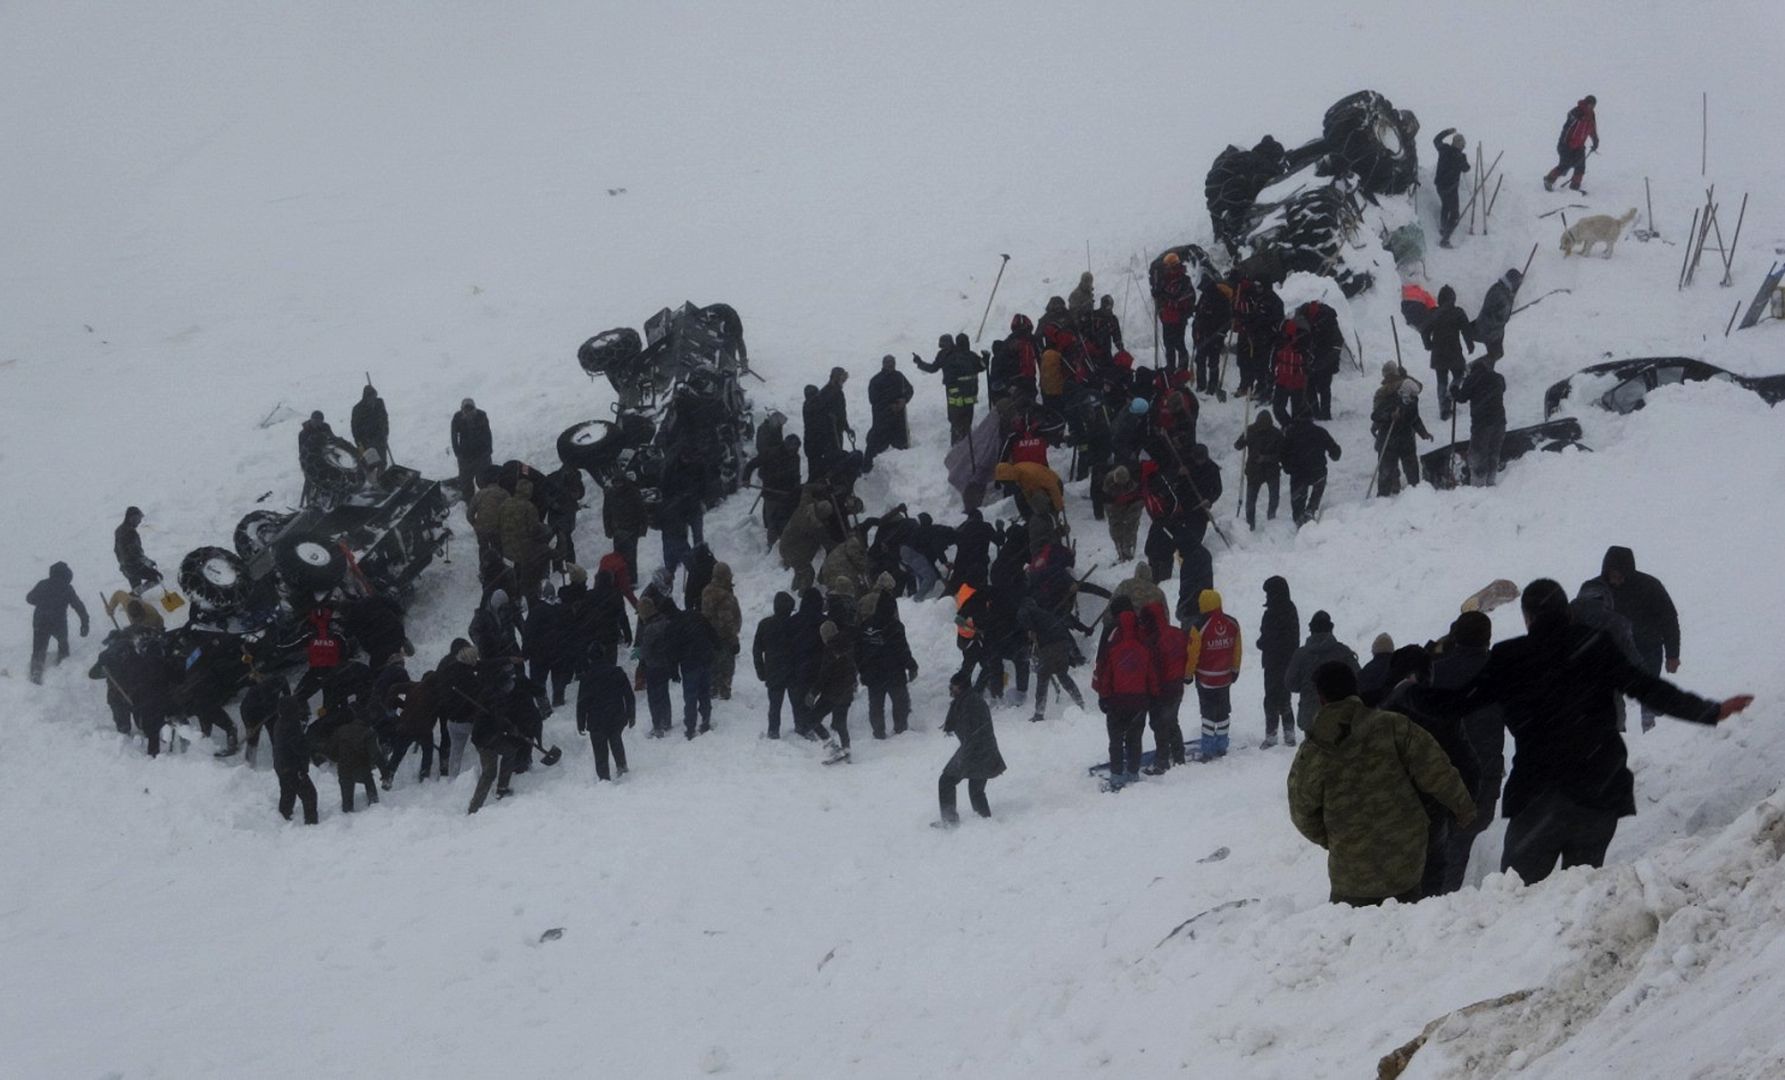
248	207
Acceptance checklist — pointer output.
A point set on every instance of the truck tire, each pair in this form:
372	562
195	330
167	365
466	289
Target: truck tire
309	563
214	578
256	532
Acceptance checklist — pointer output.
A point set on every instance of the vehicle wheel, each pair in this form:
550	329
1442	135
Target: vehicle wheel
610	351
589	446
1375	141
333	466
256	531
310	563
215	578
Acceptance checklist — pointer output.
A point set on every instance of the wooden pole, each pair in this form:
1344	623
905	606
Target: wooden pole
1475	189
1704	133
1732	315
1729	256
1691	231
1649	201
1489	208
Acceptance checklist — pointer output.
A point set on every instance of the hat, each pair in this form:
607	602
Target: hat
316	414
468	655
827	631
1172	258
1390	369
467	404
1382	646
885	581
1138	407
1321	623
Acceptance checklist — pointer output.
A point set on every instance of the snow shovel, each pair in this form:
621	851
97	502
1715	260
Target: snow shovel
171	601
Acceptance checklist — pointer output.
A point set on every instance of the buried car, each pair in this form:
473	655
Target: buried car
1448	466
1623	386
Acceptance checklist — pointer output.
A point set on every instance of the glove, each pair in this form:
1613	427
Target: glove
1676	663
811	701
911	676
632	721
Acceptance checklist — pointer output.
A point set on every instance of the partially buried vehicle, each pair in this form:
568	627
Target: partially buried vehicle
1623	386
1448	466
681	409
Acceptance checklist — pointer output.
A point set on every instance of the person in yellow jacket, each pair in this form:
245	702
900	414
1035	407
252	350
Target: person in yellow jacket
1051	377
1213	660
1030	477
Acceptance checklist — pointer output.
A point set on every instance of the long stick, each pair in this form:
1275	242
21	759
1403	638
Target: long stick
1691	231
1489	208
1704	132
1184	470
1729	256
989	299
1649	201
1482	181
1527	269
1239	504
1395	329
1732	315
1359	354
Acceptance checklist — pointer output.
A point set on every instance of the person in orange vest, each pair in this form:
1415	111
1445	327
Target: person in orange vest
1213	659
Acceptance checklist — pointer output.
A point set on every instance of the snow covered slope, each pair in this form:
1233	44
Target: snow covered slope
212	210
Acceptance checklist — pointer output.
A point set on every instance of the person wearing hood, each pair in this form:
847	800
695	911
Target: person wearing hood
1485	730
833	689
808	650
605	707
1326	354
1355	790
548	644
1126	681
977	760
1373	683
1569	783
1054	652
774	654
1395	422
370	425
138	569
883	658
1654	621
719	606
1122	505
50	600
823	442
1170	648
1139	590
1291	362
1411	672
1174	301
1279	636
291	758
1213	320
1263	444
526	542
472	445
1580	127
1484	390
889	392
139	678
1102	330
1213	660
655	652
1449	339
625	518
1082	296
1320	648
493	631
778	466
806	536
695	648
1496	309
1452	164
458	690
846	568
1306	448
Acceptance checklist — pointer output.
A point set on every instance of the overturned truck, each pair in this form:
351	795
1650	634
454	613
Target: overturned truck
682	420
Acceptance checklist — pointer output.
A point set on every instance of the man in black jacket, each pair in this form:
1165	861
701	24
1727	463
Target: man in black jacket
778	470
370	424
605	707
1452	164
889	392
1410	671
472	444
291	759
1484	389
1570	782
1279	636
1306	448
1328	348
50	600
960	367
1448	337
1263	444
774	654
1654	622
1462	660
138	569
977	760
883	658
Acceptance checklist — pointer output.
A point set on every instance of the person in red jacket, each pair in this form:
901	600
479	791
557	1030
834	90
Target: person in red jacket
1175	299
1581	127
1289	371
1213	660
1126	682
1170	646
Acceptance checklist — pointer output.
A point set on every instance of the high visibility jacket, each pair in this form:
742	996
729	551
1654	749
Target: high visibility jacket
964	627
1213	656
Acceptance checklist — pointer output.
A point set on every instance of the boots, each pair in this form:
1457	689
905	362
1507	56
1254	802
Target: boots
233	747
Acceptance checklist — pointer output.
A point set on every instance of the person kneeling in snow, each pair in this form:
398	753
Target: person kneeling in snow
978	759
1354	789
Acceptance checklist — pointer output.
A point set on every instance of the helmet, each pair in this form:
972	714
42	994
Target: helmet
1173	259
1020	324
1138	406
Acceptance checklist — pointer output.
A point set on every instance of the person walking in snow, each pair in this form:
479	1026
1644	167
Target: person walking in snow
291	759
1263	444
605	707
1126	682
1484	390
1579	128
1355	789
960	368
1496	309
472	445
1373	680
977	760
1654	621
1569	783
1395	422
773	653
1465	654
1170	647
1327	353
1214	661
1320	648
1279	636
833	690
1122	507
1452	164
1174	299
138	569
889	393
1447	336
370	425
50	600
1306	448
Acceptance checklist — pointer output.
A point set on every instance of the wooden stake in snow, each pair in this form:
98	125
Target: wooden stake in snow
1729	255
1704	132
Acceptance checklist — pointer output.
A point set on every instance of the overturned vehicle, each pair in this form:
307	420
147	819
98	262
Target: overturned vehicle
682	420
1448	466
1302	209
362	536
1623	386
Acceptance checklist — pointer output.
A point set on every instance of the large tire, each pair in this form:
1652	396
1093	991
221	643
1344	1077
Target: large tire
590	446
333	465
309	563
1374	141
611	351
257	530
215	578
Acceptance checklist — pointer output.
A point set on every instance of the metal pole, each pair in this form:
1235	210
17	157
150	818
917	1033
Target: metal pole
1729	256
1649	201
1704	133
1732	315
1691	231
989	299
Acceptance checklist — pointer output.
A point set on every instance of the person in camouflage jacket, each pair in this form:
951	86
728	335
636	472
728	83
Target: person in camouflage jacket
719	606
1354	790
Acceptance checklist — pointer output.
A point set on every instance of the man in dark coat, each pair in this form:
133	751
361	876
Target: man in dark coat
1306	448
1570	782
695	647
1484	389
370	424
773	653
1410	669
883	658
833	688
1452	164
291	759
1654	622
1263	444
1485	729
977	760
138	569
1448	337
889	392
1279	635
961	368
1579	128
50	600
1320	649
1327	345
1496	309
1213	319
1395	422
605	708
472	444
778	470
625	518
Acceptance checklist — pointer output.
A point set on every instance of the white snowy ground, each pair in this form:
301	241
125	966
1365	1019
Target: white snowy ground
213	210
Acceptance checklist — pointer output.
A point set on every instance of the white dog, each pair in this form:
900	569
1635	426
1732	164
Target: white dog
1598	229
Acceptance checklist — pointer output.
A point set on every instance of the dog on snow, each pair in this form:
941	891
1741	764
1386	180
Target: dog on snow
1598	229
